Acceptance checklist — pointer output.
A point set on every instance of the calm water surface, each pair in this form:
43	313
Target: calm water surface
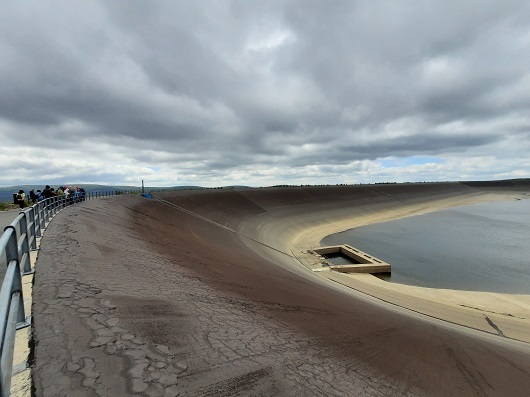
484	247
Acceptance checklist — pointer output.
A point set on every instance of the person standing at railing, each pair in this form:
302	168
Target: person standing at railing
21	198
33	196
76	195
60	191
46	193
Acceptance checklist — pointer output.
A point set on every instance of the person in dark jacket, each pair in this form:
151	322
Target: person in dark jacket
33	196
46	193
21	198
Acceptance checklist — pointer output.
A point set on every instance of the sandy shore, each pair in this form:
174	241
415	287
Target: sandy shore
138	297
509	313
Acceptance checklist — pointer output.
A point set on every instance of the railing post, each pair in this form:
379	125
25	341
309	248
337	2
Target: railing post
36	220
11	246
42	216
12	255
25	245
33	229
47	209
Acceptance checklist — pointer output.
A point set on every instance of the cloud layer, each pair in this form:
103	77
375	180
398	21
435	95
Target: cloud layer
259	93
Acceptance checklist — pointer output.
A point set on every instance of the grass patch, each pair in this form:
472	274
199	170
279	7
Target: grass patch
7	206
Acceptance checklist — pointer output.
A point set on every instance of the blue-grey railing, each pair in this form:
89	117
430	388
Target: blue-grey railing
18	239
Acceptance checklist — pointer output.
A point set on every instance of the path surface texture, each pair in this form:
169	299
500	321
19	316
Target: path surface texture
203	296
6	217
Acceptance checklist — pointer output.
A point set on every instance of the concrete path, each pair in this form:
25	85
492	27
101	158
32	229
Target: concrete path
6	217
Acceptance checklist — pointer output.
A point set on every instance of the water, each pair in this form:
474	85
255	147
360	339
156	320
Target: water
339	258
484	247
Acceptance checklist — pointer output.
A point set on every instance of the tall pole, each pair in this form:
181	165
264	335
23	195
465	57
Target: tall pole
143	191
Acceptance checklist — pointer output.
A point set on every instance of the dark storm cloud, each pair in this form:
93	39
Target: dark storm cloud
224	85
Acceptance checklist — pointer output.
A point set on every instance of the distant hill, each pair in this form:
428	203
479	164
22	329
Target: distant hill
6	192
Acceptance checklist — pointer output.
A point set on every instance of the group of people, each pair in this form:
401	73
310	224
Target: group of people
67	192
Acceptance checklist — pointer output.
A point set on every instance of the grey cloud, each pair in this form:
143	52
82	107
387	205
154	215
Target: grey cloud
223	85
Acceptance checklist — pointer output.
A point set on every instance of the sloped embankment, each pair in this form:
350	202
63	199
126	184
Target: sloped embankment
246	250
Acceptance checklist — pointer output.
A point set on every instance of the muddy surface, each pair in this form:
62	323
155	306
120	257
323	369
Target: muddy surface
134	297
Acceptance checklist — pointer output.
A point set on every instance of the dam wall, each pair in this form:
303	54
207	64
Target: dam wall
206	296
275	217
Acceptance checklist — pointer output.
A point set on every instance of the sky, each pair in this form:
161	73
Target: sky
261	93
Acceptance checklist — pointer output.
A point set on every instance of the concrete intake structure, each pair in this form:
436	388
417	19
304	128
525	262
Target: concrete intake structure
361	261
133	296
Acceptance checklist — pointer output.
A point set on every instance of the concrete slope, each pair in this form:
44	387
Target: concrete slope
206	296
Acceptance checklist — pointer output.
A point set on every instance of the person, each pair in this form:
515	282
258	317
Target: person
39	195
33	196
46	193
21	198
76	194
60	191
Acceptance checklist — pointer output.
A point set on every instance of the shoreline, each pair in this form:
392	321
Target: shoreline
502	314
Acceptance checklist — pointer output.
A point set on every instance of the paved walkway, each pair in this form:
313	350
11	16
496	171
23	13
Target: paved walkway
6	217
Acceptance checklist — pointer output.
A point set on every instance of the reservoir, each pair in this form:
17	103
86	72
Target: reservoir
483	247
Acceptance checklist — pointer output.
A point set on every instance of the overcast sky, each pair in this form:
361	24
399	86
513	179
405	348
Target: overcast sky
260	93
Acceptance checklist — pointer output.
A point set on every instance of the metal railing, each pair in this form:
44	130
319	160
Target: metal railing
18	239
